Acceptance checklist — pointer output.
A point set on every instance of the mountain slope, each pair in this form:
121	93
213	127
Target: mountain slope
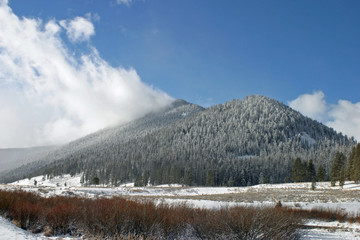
236	143
109	137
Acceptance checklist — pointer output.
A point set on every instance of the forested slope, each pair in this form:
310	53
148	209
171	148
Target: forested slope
107	139
237	143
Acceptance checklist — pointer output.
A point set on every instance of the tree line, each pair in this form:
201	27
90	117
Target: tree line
342	169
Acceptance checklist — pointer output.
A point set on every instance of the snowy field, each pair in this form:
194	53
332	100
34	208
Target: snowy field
295	195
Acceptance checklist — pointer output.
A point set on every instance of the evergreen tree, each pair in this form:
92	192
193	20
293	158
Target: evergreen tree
297	171
303	172
188	177
145	179
321	174
350	165
356	163
338	165
311	173
96	181
342	177
175	175
210	178
139	180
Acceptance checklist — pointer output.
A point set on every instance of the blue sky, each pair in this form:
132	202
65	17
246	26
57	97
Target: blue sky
303	53
199	50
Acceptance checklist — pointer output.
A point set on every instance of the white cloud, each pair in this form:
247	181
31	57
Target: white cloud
310	105
125	2
49	96
343	117
78	29
93	16
346	118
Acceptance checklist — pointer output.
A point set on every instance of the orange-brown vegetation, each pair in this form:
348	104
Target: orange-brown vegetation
118	218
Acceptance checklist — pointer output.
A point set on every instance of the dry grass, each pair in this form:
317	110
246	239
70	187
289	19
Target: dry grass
278	194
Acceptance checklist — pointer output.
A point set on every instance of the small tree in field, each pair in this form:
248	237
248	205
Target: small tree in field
337	167
96	181
139	181
313	185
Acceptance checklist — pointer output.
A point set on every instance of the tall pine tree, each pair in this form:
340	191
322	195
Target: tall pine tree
337	167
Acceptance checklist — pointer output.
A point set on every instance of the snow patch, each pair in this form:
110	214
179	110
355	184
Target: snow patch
306	139
45	181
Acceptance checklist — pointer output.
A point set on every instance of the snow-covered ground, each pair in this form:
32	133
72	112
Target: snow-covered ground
43	181
9	231
296	195
331	230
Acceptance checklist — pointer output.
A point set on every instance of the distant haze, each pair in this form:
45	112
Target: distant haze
50	94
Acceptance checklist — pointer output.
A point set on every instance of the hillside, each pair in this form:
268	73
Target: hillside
107	138
238	143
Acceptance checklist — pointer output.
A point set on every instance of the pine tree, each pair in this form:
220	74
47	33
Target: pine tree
342	177
338	165
145	179
210	178
321	174
296	175
356	162
350	165
188	177
303	172
311	173
96	181
139	180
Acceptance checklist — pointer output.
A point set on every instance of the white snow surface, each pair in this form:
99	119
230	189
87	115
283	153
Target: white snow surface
58	181
305	138
9	231
331	230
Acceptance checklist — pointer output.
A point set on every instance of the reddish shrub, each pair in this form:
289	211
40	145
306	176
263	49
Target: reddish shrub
63	218
27	214
120	218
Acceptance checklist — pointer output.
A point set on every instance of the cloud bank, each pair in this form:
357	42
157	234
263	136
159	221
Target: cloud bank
49	95
343	117
311	105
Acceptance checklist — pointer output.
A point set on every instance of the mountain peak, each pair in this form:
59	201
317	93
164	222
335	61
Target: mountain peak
179	102
258	98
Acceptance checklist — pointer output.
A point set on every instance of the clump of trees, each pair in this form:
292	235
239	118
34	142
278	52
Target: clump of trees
346	168
303	171
353	166
342	168
337	172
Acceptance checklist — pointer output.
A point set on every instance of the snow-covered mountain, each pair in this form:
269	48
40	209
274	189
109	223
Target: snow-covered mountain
186	143
98	141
